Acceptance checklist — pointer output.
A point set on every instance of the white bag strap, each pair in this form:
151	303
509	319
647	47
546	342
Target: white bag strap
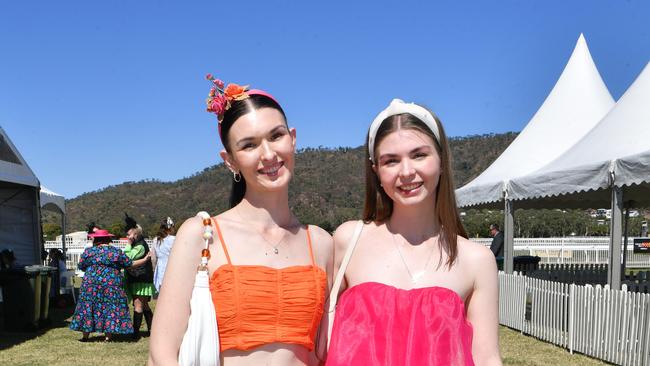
334	293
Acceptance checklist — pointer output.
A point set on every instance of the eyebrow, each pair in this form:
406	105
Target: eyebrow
417	149
251	138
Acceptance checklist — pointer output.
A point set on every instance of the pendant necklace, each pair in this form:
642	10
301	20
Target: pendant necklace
266	241
414	278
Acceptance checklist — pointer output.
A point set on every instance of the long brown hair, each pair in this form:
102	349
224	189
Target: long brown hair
379	207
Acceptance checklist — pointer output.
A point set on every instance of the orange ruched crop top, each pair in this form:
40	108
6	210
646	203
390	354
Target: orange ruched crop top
258	305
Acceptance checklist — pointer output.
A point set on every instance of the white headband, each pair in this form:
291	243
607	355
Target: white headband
397	106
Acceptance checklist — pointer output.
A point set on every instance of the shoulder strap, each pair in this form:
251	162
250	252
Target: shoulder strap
334	293
311	251
223	243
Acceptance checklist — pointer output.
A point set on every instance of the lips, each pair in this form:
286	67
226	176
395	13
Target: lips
271	170
409	188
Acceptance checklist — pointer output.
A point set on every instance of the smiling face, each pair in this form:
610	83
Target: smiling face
261	149
408	167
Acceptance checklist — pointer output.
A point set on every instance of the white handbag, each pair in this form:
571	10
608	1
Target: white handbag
200	346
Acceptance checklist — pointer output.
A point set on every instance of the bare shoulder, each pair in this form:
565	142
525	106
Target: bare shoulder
318	233
476	257
189	235
322	239
343	234
474	254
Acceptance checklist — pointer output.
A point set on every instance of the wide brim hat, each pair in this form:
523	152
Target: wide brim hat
101	233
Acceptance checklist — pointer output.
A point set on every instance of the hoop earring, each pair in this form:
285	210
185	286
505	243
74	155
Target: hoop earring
236	177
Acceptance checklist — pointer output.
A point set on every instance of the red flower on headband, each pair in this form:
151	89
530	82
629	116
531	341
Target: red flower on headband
217	105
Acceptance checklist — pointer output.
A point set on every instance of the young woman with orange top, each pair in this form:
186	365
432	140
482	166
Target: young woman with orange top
269	273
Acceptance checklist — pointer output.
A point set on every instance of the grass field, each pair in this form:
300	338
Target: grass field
59	345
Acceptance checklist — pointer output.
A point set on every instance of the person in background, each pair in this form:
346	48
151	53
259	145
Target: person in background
497	240
7	259
102	305
91	228
55	259
139	281
161	249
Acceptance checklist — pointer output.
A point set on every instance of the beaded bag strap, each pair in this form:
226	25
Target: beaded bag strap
207	235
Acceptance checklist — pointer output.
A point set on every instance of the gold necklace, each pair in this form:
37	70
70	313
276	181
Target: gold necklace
266	241
414	278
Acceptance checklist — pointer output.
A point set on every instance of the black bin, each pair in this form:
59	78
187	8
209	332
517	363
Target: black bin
21	294
526	263
521	263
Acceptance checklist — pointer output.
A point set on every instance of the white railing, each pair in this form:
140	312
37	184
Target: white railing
573	250
74	249
569	250
611	325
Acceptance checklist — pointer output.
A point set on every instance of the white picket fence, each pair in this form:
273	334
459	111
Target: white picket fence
610	325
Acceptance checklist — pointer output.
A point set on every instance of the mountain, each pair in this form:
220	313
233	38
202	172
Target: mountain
327	188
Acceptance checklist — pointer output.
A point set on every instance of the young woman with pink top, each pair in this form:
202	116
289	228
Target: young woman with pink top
414	290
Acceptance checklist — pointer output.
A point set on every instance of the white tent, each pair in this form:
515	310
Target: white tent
615	152
19	205
611	164
52	201
13	168
56	203
576	103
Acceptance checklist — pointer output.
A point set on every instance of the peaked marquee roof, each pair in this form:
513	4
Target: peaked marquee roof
616	150
576	103
13	168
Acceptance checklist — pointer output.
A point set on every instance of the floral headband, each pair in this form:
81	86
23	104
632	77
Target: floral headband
220	99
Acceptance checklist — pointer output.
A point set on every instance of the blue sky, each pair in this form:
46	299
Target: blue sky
98	93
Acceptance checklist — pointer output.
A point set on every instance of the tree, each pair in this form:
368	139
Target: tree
51	231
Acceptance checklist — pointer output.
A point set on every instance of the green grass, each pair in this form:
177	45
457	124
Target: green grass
520	350
59	345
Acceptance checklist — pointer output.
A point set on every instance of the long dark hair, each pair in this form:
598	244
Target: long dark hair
379	207
237	109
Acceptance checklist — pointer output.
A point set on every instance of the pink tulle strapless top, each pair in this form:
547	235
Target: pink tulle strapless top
378	324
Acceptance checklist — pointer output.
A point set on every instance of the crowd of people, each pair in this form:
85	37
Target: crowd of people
113	278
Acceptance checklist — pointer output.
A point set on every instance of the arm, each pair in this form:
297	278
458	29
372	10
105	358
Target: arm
173	306
323	247
342	237
483	306
153	255
339	245
84	261
141	261
124	261
135	252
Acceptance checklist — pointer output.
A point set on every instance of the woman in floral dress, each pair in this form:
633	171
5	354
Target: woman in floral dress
102	304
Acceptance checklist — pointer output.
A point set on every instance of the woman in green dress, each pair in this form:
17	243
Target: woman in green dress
139	281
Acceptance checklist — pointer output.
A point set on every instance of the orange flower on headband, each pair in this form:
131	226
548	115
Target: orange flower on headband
236	92
219	99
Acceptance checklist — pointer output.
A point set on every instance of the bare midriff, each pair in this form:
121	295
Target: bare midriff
268	354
